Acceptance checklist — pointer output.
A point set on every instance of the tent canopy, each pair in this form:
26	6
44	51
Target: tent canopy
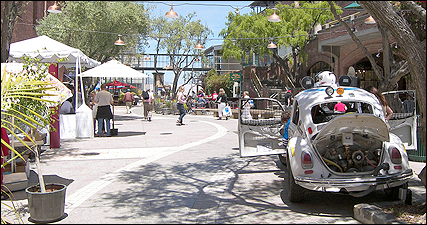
48	50
113	68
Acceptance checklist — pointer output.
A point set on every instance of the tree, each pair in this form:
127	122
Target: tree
393	70
182	35
385	14
215	81
9	12
93	27
252	32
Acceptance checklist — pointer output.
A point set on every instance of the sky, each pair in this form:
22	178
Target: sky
212	14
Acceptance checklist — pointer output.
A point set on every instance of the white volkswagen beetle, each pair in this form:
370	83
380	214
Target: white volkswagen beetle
349	152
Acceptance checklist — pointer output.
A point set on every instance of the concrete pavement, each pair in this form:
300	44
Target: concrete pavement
90	169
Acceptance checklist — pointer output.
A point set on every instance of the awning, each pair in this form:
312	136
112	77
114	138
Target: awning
48	50
113	68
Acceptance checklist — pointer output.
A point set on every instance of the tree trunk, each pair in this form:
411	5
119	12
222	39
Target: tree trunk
8	19
384	14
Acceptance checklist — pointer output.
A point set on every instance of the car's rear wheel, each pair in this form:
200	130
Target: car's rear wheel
282	159
295	192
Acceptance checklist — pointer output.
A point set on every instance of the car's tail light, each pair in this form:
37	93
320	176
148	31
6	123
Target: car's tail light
306	161
310	131
396	157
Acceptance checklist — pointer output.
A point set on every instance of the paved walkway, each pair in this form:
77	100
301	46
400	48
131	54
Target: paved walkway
128	178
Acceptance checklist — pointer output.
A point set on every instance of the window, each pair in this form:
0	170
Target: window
325	112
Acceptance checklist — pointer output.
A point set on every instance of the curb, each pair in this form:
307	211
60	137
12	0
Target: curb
371	214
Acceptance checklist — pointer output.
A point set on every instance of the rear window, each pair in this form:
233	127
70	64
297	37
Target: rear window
325	112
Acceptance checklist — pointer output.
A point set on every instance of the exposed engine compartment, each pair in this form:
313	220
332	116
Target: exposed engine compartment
348	152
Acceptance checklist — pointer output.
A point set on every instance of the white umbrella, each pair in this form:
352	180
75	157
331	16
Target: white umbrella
59	94
113	68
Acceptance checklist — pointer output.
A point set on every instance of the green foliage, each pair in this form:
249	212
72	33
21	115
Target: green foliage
215	81
23	105
292	31
177	37
93	26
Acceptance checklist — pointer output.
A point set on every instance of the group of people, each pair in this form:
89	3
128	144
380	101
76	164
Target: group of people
220	99
103	100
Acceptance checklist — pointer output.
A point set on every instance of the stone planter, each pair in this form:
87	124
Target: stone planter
158	108
175	109
46	207
166	111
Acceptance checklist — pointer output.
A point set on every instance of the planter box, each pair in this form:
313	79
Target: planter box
166	111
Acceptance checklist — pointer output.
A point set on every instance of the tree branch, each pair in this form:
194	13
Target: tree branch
357	41
419	11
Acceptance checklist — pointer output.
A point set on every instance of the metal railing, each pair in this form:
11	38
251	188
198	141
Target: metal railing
420	154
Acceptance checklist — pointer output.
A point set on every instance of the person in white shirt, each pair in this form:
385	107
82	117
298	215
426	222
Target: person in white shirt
247	106
66	107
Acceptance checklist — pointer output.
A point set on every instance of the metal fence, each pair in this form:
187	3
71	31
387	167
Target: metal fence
420	154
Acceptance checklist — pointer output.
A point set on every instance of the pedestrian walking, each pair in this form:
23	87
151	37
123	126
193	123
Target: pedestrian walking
181	100
147	101
247	106
104	99
222	100
128	100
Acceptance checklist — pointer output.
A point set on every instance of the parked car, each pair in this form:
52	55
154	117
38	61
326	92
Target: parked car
350	152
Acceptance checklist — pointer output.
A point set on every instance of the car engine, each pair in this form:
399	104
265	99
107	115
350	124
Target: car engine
347	155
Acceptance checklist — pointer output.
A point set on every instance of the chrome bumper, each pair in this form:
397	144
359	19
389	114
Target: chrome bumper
354	184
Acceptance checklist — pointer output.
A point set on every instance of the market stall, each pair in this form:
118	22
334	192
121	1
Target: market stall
49	50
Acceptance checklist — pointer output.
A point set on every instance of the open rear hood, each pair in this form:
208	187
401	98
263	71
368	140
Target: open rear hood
354	123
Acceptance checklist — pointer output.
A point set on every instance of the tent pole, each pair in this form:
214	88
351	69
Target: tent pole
76	84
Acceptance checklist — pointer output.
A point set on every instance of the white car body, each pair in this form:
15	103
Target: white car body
349	152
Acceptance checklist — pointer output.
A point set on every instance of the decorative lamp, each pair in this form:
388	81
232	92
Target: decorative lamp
119	41
274	17
370	20
54	8
147	57
271	45
199	46
171	14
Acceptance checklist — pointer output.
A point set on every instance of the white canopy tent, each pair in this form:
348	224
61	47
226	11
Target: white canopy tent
49	50
113	68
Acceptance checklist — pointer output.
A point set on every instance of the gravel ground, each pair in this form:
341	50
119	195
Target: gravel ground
411	214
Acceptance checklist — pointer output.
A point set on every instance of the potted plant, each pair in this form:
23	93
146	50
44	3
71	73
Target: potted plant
175	107
167	108
158	103
26	107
